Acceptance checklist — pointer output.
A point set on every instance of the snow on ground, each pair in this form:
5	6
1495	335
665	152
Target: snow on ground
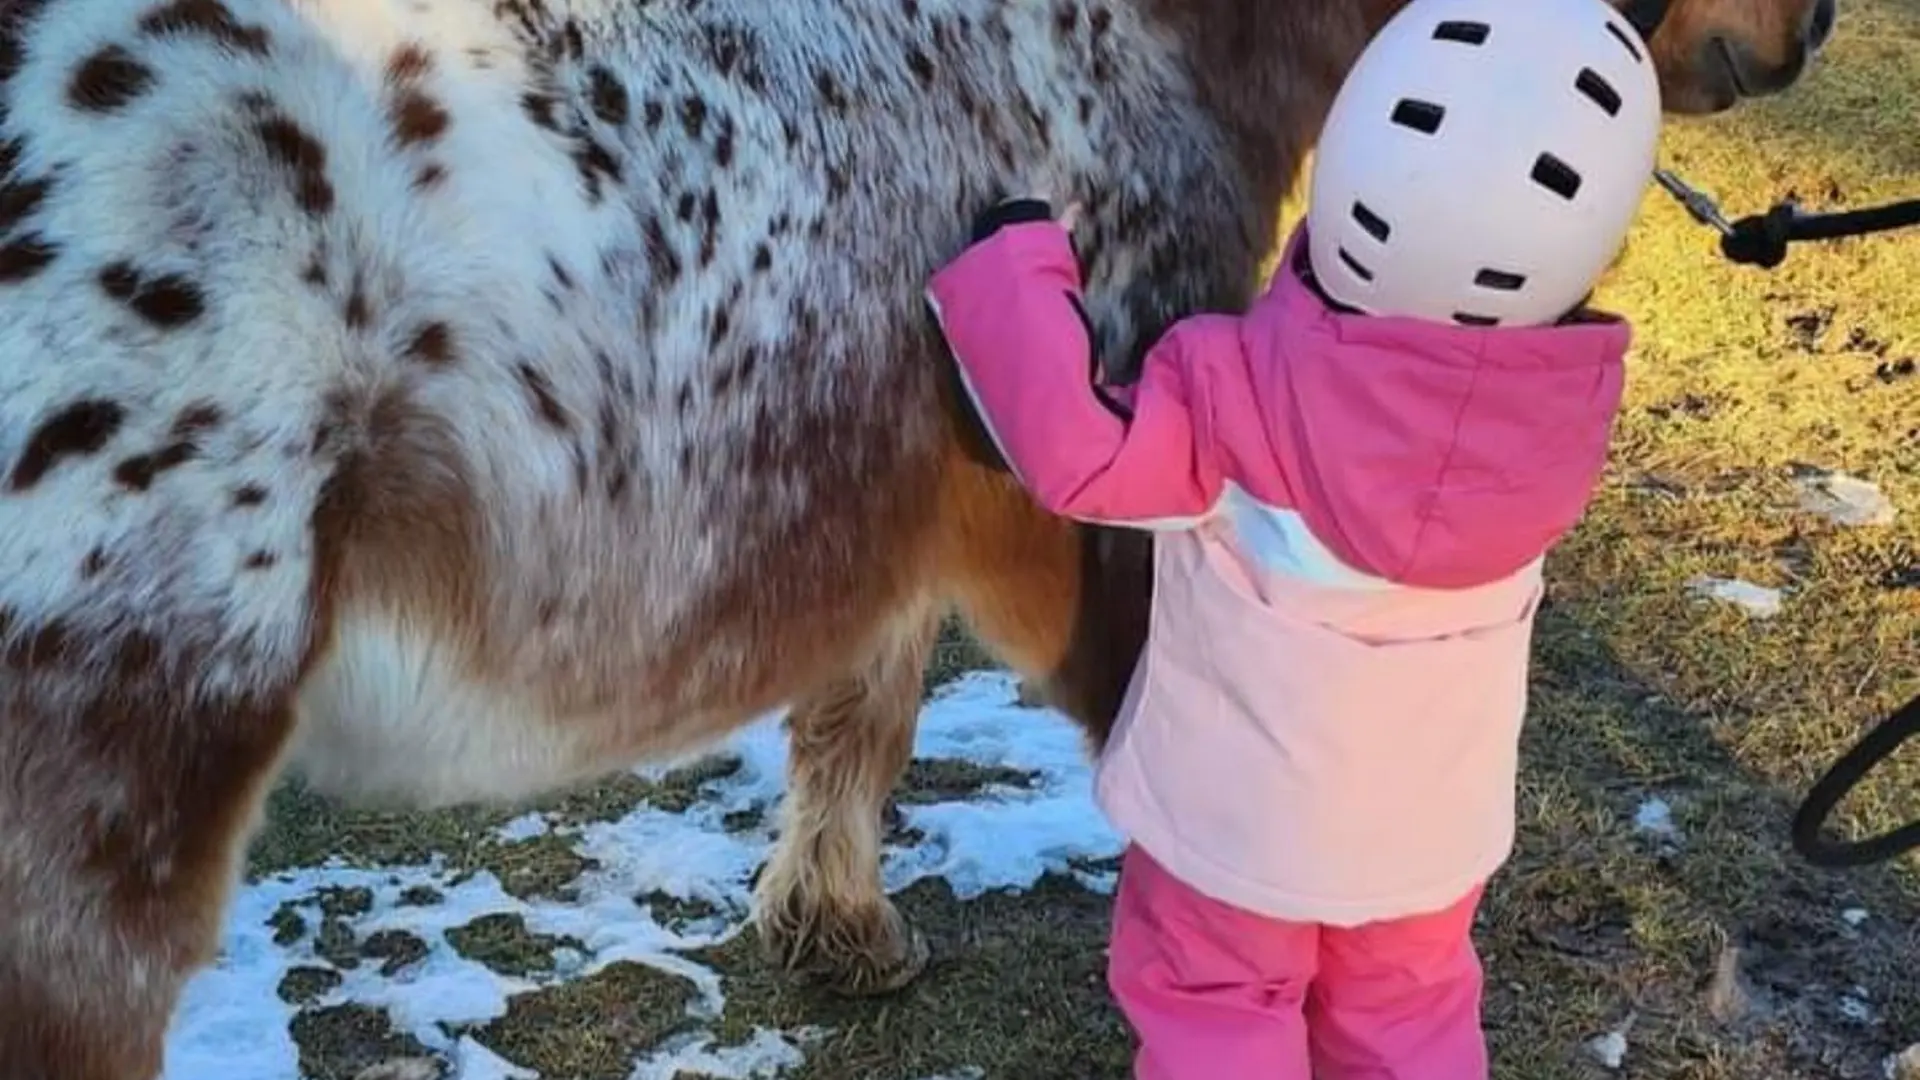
1759	601
232	1024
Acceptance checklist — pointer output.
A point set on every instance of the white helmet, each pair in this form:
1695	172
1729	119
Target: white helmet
1484	160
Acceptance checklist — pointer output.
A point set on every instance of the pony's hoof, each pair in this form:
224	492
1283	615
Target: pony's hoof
861	954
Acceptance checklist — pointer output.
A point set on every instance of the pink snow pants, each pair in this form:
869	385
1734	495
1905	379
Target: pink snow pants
1217	993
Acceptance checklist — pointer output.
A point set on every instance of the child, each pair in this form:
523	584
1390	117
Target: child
1352	486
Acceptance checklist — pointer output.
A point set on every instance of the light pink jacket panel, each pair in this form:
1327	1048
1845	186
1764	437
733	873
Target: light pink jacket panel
1352	511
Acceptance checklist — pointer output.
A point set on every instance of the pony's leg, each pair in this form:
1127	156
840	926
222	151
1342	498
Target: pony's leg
1064	605
125	800
819	907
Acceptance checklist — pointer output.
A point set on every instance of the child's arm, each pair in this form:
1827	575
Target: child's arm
1010	309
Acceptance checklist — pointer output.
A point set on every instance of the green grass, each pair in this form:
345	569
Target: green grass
1725	957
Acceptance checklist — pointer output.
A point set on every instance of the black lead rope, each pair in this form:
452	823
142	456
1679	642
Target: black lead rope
1854	765
1762	239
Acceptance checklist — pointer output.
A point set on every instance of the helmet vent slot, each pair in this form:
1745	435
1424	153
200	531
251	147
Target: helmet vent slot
1466	33
1421	116
1626	42
1375	225
1598	90
1353	264
1465	319
1556	176
1499	280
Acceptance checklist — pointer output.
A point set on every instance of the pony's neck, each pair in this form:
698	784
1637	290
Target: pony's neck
1269	69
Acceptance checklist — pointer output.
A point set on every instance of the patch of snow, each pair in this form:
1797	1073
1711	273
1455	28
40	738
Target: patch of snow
973	844
1854	916
524	827
1103	882
763	1057
1610	1050
1655	817
232	1024
968	1072
1855	1006
1846	500
1758	600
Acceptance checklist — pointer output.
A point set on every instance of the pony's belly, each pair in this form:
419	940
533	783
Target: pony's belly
393	715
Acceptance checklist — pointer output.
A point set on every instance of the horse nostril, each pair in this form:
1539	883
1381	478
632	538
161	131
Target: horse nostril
1820	23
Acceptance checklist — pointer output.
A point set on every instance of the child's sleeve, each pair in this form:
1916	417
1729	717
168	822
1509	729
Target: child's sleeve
1141	457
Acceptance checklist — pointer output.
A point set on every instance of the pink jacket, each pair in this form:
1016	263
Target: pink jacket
1352	512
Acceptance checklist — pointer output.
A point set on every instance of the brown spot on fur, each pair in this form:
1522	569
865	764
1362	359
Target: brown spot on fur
661	257
722	322
725	44
260	560
80	428
409	62
609	97
418	119
209	17
139	472
357	312
289	144
249	495
195	419
18	198
540	110
830	93
94	563
52	645
25	256
559	272
108	80
710	227
594	161
653	114
921	65
165	300
762	259
315	273
723	143
432	344
540	389
693	116
430	176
